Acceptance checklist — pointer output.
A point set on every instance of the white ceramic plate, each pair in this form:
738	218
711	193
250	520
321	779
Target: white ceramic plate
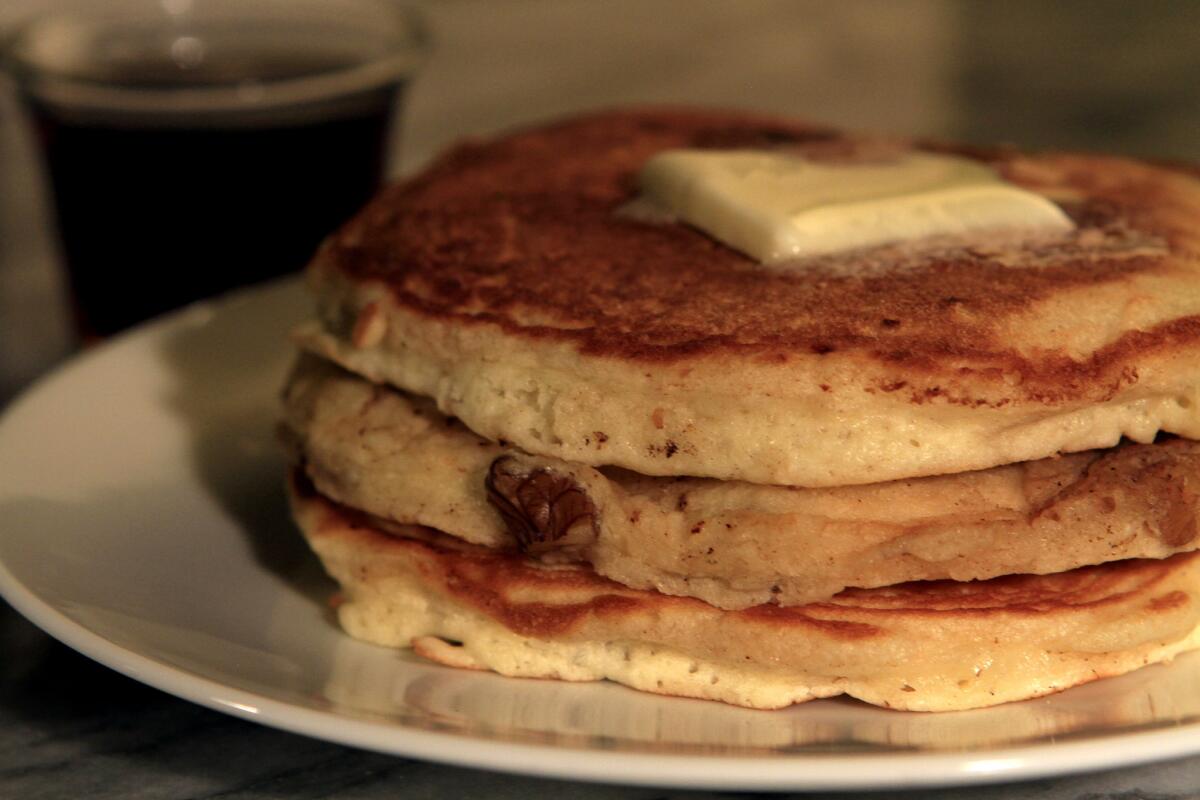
142	522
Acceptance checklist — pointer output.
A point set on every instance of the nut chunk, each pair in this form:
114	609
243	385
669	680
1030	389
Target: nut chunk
543	509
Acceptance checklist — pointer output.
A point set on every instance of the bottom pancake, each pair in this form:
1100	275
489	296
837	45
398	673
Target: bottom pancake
931	646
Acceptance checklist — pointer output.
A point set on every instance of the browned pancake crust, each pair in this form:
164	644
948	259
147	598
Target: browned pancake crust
535	600
919	646
522	232
559	600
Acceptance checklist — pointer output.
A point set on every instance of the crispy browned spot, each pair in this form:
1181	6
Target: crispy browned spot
842	629
1084	586
1169	601
1177	525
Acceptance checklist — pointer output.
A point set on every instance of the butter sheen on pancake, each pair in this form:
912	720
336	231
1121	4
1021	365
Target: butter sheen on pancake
922	646
507	284
736	544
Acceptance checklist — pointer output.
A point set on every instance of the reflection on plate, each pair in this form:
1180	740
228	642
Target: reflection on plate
142	522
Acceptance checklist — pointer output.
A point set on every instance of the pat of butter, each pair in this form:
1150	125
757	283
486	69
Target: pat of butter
776	206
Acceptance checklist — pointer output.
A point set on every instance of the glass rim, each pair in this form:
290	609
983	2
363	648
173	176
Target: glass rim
82	94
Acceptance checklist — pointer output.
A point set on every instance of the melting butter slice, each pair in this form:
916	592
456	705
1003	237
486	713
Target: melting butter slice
777	206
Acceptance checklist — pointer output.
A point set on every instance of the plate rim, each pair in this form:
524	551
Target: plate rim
799	771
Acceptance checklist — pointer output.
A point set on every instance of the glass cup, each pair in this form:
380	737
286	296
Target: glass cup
197	145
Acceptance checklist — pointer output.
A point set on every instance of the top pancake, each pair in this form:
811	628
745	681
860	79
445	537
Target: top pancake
508	283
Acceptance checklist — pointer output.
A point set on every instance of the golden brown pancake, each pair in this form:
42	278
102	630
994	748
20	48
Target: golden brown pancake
507	283
918	646
730	543
631	452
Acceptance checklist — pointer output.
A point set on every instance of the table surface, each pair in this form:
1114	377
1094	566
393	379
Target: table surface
72	728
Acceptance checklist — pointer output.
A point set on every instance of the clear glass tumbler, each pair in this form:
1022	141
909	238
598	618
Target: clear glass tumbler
198	145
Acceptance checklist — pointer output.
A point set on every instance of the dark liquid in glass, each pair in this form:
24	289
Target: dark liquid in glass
155	215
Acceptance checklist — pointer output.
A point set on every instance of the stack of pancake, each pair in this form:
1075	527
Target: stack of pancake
543	431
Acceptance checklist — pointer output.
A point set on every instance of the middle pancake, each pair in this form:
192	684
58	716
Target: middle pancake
729	543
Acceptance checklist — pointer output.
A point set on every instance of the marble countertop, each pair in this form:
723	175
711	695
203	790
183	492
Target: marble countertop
72	728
